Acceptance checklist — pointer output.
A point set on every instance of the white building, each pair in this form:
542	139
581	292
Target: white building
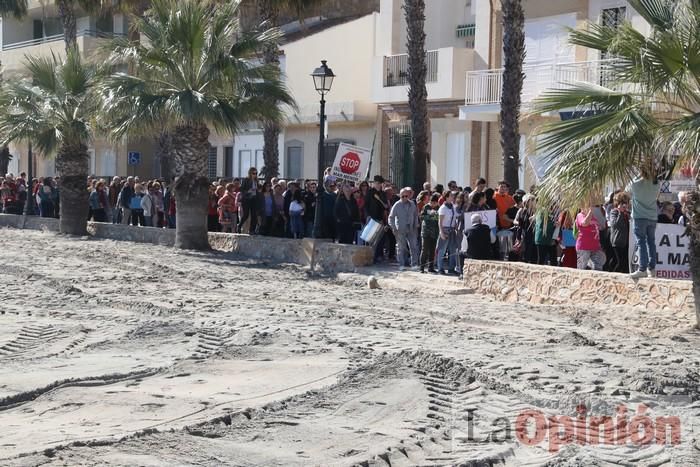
550	62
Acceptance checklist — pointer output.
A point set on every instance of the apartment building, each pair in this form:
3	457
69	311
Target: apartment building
40	33
451	29
550	62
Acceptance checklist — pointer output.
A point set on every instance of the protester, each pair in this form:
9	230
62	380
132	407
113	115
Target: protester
249	201
546	237
99	203
645	191
480	237
403	221
430	231
619	220
346	214
376	209
588	240
447	242
296	215
125	195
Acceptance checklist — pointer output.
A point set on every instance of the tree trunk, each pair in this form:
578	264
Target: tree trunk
268	11
514	55
5	158
190	156
67	15
72	163
417	92
693	212
163	156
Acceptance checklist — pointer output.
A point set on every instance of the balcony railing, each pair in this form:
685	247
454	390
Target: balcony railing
58	37
396	69
485	87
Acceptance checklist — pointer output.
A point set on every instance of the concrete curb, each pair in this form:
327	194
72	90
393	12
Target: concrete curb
319	255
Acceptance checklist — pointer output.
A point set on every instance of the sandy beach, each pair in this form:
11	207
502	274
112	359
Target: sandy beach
116	353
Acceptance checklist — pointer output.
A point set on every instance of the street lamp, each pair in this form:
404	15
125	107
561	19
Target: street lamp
323	80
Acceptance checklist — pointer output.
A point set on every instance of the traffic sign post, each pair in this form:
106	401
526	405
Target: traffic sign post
351	163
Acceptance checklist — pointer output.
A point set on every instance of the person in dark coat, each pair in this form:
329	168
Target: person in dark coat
328	221
480	237
250	191
346	215
376	208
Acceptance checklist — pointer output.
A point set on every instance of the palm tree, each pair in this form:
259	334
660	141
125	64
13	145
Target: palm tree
647	109
514	55
5	158
195	69
268	13
54	109
417	92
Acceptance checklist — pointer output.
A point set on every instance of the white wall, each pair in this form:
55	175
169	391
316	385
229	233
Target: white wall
348	48
441	20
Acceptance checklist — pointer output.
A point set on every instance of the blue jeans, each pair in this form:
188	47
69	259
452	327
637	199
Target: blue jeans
448	246
297	225
645	239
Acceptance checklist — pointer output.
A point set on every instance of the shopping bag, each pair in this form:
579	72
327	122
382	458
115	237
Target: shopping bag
372	232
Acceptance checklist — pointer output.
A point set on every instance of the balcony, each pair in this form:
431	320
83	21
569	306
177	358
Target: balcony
468	33
12	54
446	69
396	69
485	87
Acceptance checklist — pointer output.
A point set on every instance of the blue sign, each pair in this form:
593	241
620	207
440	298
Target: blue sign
134	158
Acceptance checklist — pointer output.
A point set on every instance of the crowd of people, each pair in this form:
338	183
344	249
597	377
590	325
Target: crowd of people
433	230
45	195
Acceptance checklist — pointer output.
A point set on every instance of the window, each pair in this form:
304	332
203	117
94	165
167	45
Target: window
228	162
212	162
613	17
245	162
293	165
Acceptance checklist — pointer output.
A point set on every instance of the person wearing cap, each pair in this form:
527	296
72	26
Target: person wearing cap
403	221
480	237
376	209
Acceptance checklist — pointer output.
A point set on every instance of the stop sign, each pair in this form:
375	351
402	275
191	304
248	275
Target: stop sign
349	163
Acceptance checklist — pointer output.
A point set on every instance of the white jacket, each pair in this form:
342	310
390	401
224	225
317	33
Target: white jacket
147	205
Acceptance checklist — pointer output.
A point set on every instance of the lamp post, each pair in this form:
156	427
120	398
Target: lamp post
323	80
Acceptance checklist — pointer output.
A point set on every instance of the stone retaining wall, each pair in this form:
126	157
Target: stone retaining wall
527	283
322	255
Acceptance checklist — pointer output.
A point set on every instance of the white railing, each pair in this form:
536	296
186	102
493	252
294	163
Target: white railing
486	86
396	69
56	37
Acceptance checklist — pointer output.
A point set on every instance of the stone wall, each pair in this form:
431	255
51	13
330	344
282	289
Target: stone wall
527	283
322	255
